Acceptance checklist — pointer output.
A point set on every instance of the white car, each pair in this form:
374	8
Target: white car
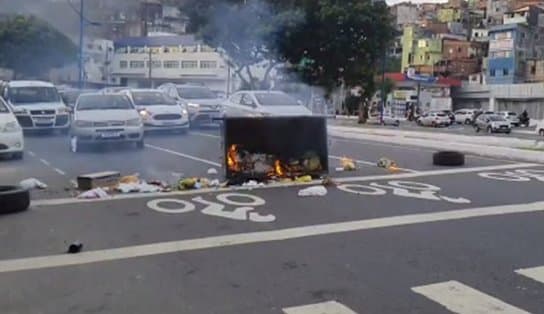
434	119
510	116
158	111
105	118
263	103
492	124
464	116
37	105
11	134
386	119
540	128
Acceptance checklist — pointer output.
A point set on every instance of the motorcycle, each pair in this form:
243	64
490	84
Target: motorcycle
524	120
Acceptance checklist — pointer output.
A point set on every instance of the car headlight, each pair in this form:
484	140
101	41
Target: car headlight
144	114
83	124
184	112
20	111
11	127
134	122
193	105
63	110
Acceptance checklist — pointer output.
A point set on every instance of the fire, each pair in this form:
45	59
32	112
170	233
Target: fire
232	158
347	163
278	169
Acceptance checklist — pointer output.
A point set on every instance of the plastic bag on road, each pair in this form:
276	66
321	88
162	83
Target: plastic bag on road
97	193
313	191
138	188
32	183
212	171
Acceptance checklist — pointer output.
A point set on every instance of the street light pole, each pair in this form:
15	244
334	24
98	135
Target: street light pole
150	66
383	84
81	31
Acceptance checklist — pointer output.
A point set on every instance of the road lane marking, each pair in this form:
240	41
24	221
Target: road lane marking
421	174
169	151
330	307
462	299
261	237
45	162
31	153
205	134
364	162
535	273
62	173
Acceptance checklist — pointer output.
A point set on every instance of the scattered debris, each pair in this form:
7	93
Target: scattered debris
75	247
130	179
339	169
94	194
253	183
328	182
303	179
140	187
387	164
32	183
99	179
348	164
212	171
187	184
313	191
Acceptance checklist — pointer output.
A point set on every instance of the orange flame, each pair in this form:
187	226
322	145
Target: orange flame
232	158
347	163
278	169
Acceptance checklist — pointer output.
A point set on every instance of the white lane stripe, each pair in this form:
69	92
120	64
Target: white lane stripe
462	299
205	134
31	153
62	173
535	273
330	307
260	237
169	151
45	162
64	201
364	162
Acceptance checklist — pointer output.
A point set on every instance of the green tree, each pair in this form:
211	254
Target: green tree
31	47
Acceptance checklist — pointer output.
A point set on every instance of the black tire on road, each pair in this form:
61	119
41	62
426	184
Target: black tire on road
541	132
13	199
448	158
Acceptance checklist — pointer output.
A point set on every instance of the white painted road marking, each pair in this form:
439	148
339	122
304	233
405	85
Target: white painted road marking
45	162
260	237
330	307
31	153
169	151
462	299
64	201
62	173
205	134
536	273
364	162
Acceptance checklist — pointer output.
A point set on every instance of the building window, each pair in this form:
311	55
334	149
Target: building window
533	69
508	34
492	72
137	64
123	64
210	64
171	64
189	64
156	64
505	72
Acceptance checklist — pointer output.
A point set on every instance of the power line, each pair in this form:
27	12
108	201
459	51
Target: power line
69	2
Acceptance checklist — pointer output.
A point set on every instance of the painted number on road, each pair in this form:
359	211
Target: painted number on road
244	207
520	175
403	189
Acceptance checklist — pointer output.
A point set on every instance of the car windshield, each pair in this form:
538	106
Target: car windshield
103	102
440	114
275	99
495	118
195	93
513	114
32	95
151	99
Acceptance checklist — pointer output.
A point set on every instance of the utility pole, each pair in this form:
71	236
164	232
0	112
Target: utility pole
150	66
383	84
81	31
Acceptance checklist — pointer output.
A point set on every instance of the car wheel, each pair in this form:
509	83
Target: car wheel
140	144
467	121
489	130
509	131
13	199
541	132
17	156
448	158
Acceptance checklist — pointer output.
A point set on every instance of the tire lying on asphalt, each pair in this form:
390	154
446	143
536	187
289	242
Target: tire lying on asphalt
13	199
448	158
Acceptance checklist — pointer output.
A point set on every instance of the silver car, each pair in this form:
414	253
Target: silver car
105	118
434	119
492	124
510	116
260	103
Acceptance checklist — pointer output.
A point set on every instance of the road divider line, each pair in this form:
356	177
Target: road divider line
364	162
205	134
31	153
64	201
62	173
261	237
331	307
535	273
45	162
169	151
462	299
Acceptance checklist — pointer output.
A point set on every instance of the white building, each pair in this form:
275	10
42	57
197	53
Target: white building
177	59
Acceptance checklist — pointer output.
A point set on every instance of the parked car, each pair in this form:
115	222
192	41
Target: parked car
510	116
37	105
464	116
540	128
450	115
492	124
105	118
11	133
434	119
387	119
158	111
204	105
264	103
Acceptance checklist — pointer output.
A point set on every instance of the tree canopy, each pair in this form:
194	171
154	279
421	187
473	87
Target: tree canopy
31	47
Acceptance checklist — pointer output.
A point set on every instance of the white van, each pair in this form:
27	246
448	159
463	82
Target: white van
11	135
37	105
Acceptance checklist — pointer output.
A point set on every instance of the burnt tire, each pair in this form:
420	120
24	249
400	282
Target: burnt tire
13	199
448	158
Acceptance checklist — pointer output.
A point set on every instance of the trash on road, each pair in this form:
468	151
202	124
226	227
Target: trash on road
75	247
98	179
32	183
135	178
139	187
253	183
94	194
212	171
303	179
387	163
187	184
328	182
348	164
313	191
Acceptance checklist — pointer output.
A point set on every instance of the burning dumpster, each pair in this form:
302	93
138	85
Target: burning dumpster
274	147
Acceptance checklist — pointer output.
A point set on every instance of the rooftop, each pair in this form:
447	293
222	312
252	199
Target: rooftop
30	83
157	41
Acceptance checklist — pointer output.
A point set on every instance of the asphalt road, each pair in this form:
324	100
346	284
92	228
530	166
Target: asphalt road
425	239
